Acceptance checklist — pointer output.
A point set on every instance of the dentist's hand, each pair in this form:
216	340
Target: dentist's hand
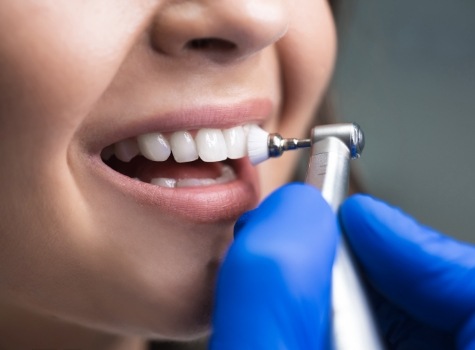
424	282
274	286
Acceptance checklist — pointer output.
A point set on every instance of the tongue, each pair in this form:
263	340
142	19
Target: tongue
146	170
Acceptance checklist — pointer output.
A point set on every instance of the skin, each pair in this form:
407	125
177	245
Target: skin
81	265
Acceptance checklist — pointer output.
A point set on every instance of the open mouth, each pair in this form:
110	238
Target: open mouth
196	158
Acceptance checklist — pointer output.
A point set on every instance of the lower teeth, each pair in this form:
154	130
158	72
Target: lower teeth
227	175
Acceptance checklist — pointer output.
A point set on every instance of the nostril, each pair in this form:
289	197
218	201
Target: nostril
211	44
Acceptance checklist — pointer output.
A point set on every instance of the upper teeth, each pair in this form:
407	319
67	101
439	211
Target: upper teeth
211	145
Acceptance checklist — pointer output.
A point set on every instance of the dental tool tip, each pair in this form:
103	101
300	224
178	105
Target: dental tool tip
257	148
262	145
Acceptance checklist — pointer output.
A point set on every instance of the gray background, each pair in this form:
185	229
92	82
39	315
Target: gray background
406	74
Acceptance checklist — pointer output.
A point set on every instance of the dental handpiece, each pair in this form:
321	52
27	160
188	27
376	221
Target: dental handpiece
353	324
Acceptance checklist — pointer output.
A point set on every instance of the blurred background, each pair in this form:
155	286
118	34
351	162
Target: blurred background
406	74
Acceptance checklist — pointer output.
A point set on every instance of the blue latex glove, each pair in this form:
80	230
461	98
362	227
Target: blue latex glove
424	282
274	286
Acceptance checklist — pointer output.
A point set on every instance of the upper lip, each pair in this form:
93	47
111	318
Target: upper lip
211	116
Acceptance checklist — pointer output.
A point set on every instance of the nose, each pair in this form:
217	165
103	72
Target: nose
220	30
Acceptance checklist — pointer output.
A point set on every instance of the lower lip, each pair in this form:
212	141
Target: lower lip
199	204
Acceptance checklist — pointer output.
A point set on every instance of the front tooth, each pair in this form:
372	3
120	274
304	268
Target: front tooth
163	182
211	145
235	142
227	175
195	182
154	146
126	150
183	147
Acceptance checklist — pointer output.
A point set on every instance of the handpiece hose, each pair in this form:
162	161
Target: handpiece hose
353	326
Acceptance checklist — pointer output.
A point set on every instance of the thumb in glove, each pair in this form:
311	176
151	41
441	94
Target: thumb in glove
273	289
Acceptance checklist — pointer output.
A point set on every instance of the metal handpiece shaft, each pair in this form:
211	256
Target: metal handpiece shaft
290	144
276	144
353	326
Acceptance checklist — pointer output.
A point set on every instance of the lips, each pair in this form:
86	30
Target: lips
197	172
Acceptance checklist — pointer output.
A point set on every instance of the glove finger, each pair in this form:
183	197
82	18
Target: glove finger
274	285
428	275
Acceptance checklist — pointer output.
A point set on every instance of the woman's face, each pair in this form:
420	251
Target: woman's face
108	243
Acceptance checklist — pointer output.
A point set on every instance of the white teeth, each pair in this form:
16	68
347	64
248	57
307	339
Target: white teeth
154	146
235	142
183	147
195	182
227	175
163	182
126	150
211	145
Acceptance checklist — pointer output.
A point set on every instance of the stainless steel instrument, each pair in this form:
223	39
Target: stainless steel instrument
353	326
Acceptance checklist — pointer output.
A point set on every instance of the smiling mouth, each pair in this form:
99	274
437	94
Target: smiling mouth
196	158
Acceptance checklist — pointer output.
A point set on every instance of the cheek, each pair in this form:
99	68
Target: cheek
306	57
55	63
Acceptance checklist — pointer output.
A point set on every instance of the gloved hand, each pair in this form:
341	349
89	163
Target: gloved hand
424	282
273	289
